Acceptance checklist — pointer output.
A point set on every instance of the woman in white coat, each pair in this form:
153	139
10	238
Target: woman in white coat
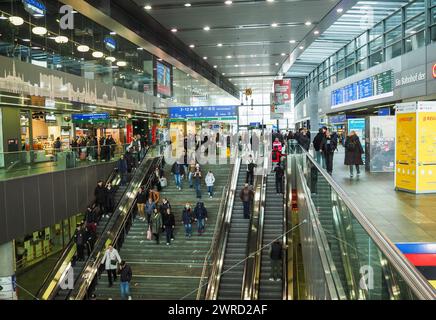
110	260
210	180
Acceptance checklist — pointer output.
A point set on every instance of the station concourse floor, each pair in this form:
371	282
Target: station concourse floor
401	216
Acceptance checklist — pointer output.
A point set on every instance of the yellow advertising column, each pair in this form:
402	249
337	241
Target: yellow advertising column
415	147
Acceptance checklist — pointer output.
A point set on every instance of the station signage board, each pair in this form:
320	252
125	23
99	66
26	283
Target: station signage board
203	113
90	117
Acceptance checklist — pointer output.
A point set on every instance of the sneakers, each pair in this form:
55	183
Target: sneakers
180	189
351	176
210	197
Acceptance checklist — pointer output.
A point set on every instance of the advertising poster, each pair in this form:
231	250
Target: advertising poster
382	144
163	74
427	151
129	128
405	176
358	125
282	91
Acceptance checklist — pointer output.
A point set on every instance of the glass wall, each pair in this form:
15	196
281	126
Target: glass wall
403	31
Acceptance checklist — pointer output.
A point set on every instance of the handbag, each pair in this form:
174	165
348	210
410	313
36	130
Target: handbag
113	262
149	233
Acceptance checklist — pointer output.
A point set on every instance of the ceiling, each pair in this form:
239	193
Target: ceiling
252	50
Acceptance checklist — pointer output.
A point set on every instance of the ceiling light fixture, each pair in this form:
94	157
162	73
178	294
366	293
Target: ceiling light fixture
192	46
111	59
2	17
187	4
121	63
16	21
205	58
340	10
301	47
174	30
147	7
228	2
292	41
215	66
316	32
83	48
206	28
219	45
308	23
112	33
26	40
40	31
283	54
274	25
61	39
277	63
229	57
97	54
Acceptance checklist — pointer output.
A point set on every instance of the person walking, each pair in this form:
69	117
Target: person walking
200	213
91	219
317	146
187	218
277	143
110	199
154	195
169	225
150	205
125	278
210	181
140	203
122	170
329	144
156	224
250	170
304	139
246	195
192	168
197	180
179	172
275	254
158	175
100	198
353	153
80	240
110	260
279	178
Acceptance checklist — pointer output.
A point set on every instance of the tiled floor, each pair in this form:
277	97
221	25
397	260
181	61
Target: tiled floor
401	216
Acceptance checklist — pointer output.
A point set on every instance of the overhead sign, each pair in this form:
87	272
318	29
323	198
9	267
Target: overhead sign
192	113
91	117
34	7
110	43
282	91
342	118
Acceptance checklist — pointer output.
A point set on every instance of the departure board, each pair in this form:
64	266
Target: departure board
383	82
365	88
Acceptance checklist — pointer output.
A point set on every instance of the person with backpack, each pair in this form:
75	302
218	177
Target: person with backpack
210	180
156	224
200	213
279	178
277	143
91	219
187	218
141	201
317	146
110	260
169	225
276	156
197	180
246	195
353	152
125	277
276	254
328	146
250	170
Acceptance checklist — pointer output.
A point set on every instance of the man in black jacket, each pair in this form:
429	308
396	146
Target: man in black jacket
276	253
80	240
200	214
126	277
100	197
329	144
317	146
279	178
169	225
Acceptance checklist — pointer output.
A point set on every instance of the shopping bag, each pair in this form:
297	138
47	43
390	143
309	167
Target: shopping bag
149	234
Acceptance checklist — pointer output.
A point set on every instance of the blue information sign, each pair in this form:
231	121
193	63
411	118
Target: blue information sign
384	111
365	88
90	117
192	112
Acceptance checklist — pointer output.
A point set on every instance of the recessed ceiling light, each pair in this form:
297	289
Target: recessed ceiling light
61	39
39	31
205	58
26	40
258	65
111	59
224	73
236	65
292	41
174	30
191	46
16	21
269	0
140	48
121	63
215	66
283	54
219	45
274	25
112	33
277	63
206	28
228	2
308	23
97	54
187	4
340	10
242	72
301	47
147	7
316	32
83	48
159	59
229	57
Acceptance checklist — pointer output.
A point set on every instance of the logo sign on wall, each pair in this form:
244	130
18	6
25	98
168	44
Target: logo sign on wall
434	71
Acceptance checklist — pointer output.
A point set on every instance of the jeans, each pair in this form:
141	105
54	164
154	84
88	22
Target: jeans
275	269
246	209
200	225
125	290
190	179
329	161
320	158
210	190
198	189
178	179
357	169
169	233
188	229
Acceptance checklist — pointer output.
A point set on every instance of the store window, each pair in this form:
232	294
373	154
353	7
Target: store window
349	71
376	45
376	32
362	40
362	53
350	59
393	21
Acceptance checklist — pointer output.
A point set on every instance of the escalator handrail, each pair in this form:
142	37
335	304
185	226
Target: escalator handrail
415	280
92	267
333	282
61	261
221	243
285	233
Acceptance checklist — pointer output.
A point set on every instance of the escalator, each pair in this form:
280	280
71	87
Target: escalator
174	271
230	285
272	230
51	289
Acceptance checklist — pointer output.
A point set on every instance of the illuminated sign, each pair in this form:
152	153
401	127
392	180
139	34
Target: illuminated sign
110	43
434	71
34	7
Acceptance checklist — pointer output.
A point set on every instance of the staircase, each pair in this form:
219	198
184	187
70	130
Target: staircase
170	272
272	229
236	249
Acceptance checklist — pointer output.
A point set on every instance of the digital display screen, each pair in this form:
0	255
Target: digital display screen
163	74
365	88
196	112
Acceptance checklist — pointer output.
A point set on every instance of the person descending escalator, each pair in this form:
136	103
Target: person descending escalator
246	195
100	198
91	237
279	178
169	225
80	240
110	199
250	170
276	254
91	219
122	170
141	200
200	213
110	260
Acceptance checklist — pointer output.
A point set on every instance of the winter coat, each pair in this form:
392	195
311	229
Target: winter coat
279	172
197	177
110	196
246	195
329	147
187	216
275	251
126	273
200	211
353	151
277	144
100	195
278	156
122	166
154	195
210	179
178	168
169	220
163	208
317	141
142	197
108	256
90	217
304	141
80	237
149	207
156	222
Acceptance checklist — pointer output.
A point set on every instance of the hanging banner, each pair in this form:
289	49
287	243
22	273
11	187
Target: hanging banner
129	128
282	96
